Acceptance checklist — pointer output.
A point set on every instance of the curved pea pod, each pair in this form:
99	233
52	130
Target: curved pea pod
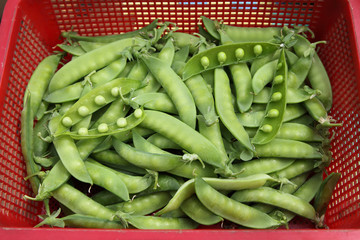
131	122
211	27
276	198
299	132
66	94
153	161
250	34
94	100
88	62
195	210
187	189
155	101
74	49
226	110
299	166
318	112
275	109
261	165
323	196
84	221
242	81
143	205
89	46
263	76
235	53
293	95
182	39
175	88
183	135
154	222
109	72
114	37
106	178
230	209
287	149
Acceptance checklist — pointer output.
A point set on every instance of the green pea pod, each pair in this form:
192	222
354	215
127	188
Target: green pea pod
275	109
323	196
94	100
111	38
66	94
250	34
154	222
263	76
89	62
211	27
235	53
131	122
155	101
85	221
226	110
230	209
75	50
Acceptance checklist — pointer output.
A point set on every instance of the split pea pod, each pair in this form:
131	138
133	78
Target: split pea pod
183	135
235	53
88	62
275	109
175	87
230	209
94	100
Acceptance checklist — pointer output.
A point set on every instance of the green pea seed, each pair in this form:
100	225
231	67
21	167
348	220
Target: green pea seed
239	53
103	127
67	122
83	111
266	128
278	79
205	62
279	66
121	122
83	131
221	57
273	113
138	113
100	100
258	49
115	92
276	96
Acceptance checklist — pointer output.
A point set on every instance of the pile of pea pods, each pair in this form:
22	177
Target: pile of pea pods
161	129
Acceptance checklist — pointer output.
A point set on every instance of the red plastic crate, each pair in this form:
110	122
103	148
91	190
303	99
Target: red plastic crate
30	29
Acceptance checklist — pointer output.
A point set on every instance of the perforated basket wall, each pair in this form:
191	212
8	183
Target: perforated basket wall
35	27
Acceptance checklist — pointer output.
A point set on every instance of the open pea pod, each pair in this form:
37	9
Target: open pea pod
275	109
122	125
94	100
226	55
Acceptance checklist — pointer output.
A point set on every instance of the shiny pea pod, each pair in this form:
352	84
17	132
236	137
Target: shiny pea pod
299	132
208	59
84	221
230	209
271	123
187	189
143	205
183	135
156	101
287	149
226	110
195	210
276	198
293	95
104	177
154	222
318	112
263	76
68	93
94	100
121	125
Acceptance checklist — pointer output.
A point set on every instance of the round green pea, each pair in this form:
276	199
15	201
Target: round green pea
273	113
266	128
205	62
83	111
83	131
279	65
138	113
100	100
121	122
278	79
221	57
115	91
103	127
276	96
239	53
67	122
258	49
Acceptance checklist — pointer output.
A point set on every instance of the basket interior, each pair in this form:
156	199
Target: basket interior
34	38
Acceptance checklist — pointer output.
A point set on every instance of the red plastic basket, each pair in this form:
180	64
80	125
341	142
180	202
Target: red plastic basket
30	29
